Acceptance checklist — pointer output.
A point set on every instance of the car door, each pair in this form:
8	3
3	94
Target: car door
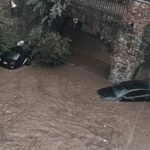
137	95
21	60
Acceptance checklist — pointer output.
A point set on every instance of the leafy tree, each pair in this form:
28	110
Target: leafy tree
49	9
33	39
53	47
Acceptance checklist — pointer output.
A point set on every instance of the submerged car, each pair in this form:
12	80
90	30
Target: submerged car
128	90
15	58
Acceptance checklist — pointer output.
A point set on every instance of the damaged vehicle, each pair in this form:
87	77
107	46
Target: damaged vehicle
15	58
129	90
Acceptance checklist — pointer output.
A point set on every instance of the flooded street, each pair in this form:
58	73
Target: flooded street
57	108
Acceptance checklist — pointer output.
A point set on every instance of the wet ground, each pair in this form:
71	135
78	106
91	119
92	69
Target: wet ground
47	108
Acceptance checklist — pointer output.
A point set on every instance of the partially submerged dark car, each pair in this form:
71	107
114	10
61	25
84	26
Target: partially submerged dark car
15	58
128	90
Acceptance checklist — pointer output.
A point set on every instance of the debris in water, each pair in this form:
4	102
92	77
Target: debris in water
105	141
105	126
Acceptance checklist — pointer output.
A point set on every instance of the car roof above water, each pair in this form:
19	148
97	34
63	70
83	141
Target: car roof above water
134	84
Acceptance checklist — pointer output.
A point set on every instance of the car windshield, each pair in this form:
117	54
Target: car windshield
119	90
13	55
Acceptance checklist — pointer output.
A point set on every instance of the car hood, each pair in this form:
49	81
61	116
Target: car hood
6	59
10	56
107	94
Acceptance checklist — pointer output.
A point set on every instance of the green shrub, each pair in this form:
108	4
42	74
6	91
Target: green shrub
54	49
5	36
33	39
32	42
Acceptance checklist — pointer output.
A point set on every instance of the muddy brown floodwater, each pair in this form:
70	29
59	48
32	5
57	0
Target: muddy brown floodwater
57	108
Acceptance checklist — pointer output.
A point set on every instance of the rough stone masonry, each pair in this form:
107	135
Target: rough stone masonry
129	54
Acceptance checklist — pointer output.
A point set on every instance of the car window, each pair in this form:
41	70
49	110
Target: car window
134	84
13	56
136	93
119	90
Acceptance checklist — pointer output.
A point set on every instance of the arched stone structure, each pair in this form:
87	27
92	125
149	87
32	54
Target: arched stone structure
129	55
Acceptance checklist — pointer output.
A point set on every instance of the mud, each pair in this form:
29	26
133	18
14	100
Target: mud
57	108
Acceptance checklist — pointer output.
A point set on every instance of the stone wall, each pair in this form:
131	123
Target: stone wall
130	53
146	42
